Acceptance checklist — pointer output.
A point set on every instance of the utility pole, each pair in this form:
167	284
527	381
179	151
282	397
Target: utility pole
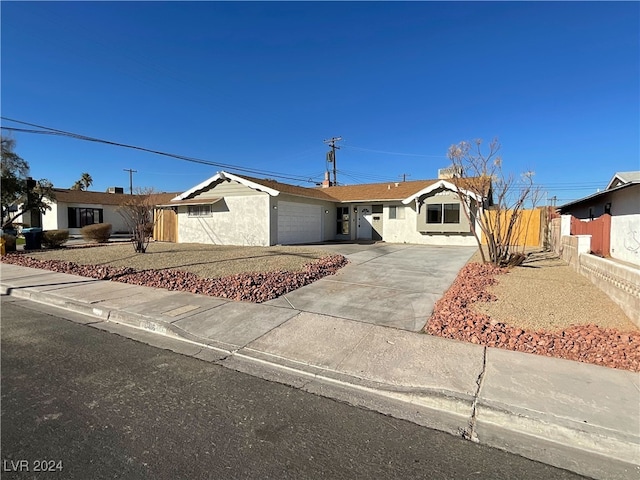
131	172
404	176
332	143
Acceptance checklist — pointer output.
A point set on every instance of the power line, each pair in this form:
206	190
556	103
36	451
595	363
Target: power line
131	172
393	153
53	131
331	156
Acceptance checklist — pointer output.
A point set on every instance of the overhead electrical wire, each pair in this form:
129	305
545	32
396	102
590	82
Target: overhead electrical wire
392	153
43	130
312	178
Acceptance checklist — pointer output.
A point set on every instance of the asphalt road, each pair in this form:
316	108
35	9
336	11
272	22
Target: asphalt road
96	405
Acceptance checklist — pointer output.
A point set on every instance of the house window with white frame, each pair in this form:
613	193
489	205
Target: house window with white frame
396	212
199	210
443	213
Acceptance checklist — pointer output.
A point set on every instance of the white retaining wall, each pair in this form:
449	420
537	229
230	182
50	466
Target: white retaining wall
620	282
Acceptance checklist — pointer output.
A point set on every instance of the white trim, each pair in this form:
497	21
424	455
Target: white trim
227	176
437	185
623	177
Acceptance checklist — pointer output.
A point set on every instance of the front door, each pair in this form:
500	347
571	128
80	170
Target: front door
364	222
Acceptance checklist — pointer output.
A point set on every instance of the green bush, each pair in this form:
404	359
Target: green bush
10	242
98	232
54	238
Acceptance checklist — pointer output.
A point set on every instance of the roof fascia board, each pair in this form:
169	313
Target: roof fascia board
250	184
226	176
370	200
436	186
613	179
599	194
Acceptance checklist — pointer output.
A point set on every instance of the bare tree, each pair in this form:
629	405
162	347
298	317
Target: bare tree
137	212
479	175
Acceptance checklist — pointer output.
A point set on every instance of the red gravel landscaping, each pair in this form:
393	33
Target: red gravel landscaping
453	318
251	287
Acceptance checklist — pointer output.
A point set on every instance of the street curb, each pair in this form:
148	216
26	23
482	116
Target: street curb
588	450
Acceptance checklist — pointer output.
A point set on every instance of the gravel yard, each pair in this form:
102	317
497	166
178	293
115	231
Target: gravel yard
547	294
207	261
542	307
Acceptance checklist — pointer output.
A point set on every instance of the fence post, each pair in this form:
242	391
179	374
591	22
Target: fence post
606	235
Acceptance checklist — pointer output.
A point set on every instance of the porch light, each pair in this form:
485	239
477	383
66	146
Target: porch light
327	212
355	209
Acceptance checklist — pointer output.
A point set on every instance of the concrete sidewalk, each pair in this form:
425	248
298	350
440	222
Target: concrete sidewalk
581	417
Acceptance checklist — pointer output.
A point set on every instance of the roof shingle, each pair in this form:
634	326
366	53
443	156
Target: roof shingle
103	198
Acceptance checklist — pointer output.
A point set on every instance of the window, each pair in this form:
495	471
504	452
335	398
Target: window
396	212
376	208
199	210
81	217
443	213
451	212
343	221
434	213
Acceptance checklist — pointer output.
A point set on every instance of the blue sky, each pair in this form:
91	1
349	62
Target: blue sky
261	85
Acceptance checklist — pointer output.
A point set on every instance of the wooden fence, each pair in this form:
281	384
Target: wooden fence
600	231
529	230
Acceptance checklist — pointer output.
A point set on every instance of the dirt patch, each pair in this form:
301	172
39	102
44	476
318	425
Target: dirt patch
456	315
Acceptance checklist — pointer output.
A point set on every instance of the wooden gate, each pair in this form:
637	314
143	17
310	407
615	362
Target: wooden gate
600	231
165	228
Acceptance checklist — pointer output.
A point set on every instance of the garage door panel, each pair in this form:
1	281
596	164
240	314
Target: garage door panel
299	223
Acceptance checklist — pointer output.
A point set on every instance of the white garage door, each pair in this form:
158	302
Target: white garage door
299	223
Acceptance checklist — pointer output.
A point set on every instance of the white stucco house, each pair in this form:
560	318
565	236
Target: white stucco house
231	209
73	209
621	200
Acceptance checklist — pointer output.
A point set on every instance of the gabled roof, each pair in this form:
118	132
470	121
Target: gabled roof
271	187
370	192
623	177
309	192
437	185
222	176
101	198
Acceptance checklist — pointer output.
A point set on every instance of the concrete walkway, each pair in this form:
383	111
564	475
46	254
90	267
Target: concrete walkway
581	417
395	285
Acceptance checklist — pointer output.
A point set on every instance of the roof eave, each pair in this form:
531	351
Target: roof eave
227	176
441	184
599	194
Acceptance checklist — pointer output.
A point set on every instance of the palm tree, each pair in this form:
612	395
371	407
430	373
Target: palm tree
84	183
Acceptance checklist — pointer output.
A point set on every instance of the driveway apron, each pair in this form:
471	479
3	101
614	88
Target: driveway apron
384	284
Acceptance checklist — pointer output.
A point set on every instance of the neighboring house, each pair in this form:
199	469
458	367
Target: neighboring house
231	209
621	200
73	209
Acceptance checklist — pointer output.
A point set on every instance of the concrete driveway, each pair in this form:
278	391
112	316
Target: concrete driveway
395	285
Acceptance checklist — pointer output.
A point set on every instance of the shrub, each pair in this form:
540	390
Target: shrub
98	232
9	242
54	238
